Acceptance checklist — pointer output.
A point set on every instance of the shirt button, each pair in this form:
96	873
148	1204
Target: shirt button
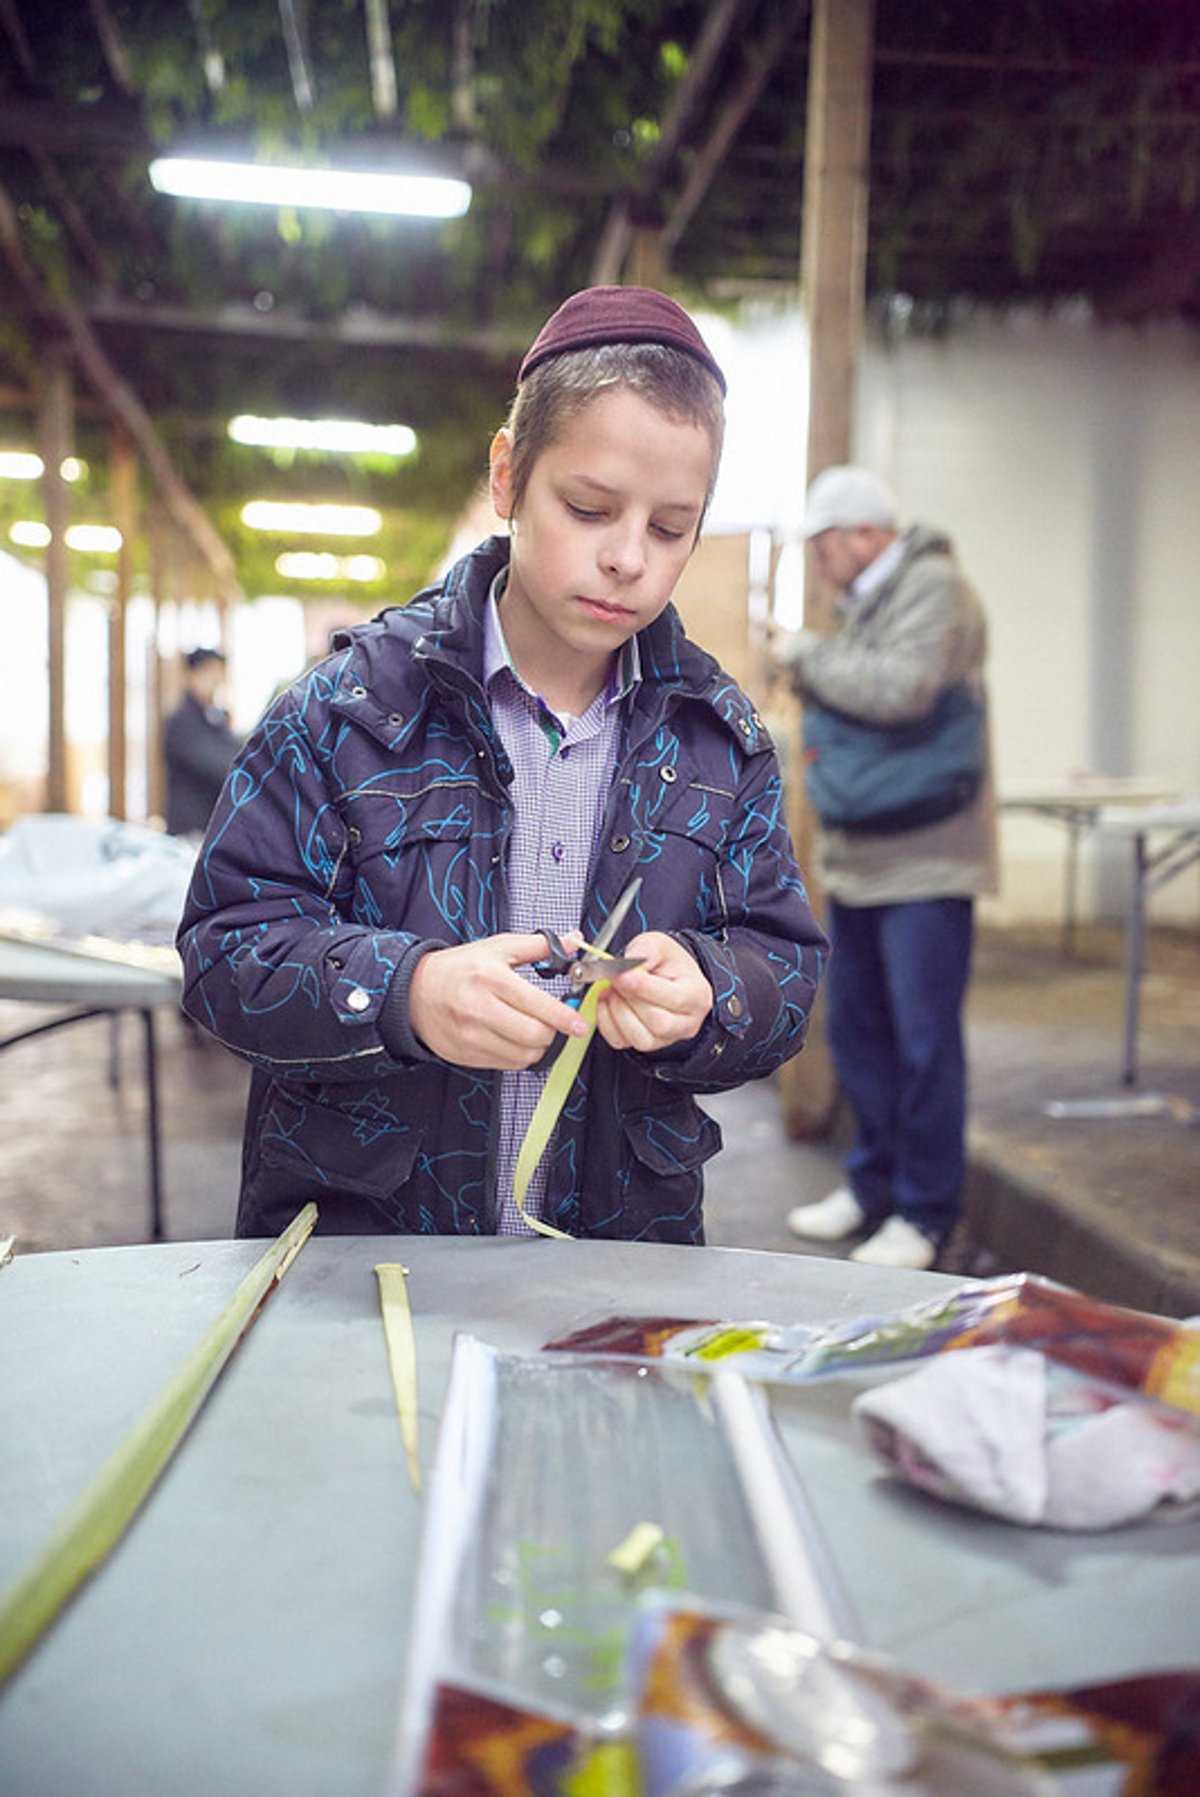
358	1000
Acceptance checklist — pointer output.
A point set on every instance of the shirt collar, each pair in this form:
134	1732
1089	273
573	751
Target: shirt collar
876	573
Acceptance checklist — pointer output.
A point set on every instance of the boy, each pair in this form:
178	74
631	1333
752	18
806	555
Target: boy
497	758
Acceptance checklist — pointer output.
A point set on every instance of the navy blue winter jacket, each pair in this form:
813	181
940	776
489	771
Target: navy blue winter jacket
368	819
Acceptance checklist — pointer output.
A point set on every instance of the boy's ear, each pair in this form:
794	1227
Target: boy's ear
500	463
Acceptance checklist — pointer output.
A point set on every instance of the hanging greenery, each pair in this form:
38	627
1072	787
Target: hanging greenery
1036	150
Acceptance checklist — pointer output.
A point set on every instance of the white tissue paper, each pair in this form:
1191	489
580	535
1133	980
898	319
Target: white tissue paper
1004	1430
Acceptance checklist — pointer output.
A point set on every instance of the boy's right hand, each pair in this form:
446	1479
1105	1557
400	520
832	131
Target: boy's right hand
469	1006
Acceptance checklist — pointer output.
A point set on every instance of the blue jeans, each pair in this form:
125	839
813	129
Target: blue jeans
897	981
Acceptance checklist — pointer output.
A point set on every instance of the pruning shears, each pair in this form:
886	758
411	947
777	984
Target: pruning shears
592	962
584	966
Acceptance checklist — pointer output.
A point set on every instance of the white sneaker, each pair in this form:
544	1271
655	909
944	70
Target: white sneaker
897	1243
829	1219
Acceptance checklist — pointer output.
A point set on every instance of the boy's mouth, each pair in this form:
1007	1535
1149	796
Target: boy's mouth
605	612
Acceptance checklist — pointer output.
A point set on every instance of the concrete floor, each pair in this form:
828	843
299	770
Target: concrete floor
1108	1204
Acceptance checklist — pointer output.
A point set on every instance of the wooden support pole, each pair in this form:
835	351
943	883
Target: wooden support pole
118	399
122	487
833	257
833	263
162	590
55	434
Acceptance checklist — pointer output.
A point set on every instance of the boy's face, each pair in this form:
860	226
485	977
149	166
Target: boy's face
603	532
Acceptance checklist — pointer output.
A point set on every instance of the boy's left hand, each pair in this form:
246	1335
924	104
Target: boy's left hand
665	1000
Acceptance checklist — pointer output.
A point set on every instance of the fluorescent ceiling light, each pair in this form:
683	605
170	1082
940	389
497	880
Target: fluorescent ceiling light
100	539
93	539
317	520
20	464
305	564
336	436
333	190
16	465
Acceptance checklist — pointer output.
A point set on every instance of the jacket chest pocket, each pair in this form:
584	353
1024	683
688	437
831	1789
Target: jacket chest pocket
682	834
424	860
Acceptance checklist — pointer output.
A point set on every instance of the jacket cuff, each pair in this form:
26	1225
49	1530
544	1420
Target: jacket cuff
728	1020
395	1021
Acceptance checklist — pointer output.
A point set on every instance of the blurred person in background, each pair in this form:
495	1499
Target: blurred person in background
891	693
198	744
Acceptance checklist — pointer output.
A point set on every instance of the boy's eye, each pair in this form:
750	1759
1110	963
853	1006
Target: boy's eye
583	511
665	531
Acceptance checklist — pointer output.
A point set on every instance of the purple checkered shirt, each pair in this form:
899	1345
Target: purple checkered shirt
563	768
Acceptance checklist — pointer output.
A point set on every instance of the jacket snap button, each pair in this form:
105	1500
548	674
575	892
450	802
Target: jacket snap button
396	718
735	1007
354	836
619	844
358	692
743	726
358	1000
668	775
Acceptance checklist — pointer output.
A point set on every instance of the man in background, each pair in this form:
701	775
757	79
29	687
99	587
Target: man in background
198	744
900	899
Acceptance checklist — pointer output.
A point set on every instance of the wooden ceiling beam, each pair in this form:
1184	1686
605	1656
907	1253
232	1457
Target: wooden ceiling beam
112	44
760	60
95	131
64	321
359	329
381	62
14	28
295	37
211	59
616	238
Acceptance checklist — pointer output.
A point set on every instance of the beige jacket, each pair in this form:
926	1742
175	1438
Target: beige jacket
898	647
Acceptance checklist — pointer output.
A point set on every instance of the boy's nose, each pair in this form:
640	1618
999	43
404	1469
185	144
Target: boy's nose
624	554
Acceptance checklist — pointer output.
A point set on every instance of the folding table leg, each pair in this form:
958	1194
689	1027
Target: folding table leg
153	1131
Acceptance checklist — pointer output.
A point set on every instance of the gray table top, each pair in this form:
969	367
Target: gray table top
250	1632
39	974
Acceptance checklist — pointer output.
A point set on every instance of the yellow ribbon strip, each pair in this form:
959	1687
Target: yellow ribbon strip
550	1103
402	1357
96	1522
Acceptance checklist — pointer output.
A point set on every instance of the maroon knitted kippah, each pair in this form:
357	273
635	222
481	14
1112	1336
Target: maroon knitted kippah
618	315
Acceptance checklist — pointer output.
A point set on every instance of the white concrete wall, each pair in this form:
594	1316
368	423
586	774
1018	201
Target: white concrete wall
1062	457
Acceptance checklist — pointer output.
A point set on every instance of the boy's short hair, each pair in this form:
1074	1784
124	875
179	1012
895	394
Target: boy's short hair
200	658
675	382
